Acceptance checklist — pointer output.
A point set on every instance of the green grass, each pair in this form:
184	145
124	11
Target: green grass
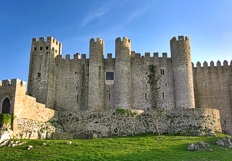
136	148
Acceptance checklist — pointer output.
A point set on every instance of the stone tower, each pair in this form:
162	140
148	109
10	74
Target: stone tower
96	74
41	70
182	72
122	86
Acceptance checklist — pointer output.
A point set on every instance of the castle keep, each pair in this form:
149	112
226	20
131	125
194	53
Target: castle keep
78	85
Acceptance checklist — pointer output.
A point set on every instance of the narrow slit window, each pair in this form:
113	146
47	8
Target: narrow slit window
109	96
161	71
145	96
163	95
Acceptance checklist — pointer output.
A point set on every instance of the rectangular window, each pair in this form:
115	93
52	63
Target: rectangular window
109	96
163	95
39	75
41	48
161	71
34	48
109	75
46	47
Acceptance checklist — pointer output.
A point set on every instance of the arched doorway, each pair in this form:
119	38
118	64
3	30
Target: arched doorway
6	106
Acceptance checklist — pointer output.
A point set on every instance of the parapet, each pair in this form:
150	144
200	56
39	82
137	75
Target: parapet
98	40
180	39
13	83
125	39
212	66
49	39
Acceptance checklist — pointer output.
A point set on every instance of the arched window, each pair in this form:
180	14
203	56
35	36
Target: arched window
6	106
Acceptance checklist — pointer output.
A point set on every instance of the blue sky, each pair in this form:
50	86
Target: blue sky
150	24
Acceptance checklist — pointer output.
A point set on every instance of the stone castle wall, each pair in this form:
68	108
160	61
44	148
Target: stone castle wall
116	123
28	114
213	90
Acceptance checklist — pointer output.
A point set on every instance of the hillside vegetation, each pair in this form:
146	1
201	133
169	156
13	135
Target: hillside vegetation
144	148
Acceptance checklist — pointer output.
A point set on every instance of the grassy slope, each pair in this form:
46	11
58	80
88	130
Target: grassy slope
142	148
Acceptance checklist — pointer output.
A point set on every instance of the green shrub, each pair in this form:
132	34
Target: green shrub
5	119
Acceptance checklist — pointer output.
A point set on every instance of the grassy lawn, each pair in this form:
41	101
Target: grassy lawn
144	148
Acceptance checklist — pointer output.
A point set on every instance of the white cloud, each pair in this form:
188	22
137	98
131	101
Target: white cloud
96	14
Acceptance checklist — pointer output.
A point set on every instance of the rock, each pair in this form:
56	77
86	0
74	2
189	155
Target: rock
69	143
191	147
197	146
4	143
29	147
210	149
226	142
44	144
5	134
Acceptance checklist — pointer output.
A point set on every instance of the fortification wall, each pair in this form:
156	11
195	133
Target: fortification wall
213	90
71	82
141	93
29	115
116	123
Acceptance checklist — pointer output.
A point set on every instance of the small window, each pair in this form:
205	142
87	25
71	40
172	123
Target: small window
77	98
39	75
109	96
163	95
145	96
34	48
161	71
46	47
109	75
41	48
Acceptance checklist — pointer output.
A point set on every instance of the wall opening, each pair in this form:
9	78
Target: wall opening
6	106
109	75
161	71
39	75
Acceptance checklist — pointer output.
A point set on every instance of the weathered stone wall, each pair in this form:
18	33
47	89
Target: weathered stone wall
96	75
182	72
118	123
71	83
213	90
41	69
25	108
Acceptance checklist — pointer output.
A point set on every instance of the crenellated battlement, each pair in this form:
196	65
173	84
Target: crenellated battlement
76	56
49	39
125	40
212	64
12	83
96	41
180	38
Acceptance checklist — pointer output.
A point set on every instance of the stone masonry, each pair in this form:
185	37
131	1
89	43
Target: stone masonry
57	85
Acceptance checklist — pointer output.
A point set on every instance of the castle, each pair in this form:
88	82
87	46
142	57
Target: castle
98	83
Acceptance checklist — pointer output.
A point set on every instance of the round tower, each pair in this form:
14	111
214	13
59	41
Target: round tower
182	72
96	74
123	73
